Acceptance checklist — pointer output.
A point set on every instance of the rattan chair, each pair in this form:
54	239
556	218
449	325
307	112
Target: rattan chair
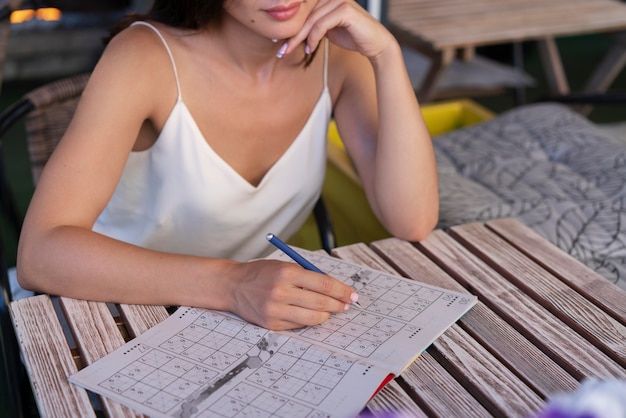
46	111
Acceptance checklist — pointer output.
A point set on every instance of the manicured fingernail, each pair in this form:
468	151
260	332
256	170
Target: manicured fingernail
345	308
282	50
274	40
307	50
354	297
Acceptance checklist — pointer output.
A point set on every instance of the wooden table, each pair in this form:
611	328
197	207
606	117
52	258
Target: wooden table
544	322
446	29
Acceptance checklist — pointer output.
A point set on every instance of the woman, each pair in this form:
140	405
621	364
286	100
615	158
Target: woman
201	129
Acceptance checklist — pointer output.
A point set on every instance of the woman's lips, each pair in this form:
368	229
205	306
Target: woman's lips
285	12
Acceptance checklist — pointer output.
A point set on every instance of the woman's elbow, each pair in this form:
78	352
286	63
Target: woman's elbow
26	267
416	231
417	227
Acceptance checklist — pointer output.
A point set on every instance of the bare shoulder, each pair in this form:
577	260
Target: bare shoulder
136	47
133	63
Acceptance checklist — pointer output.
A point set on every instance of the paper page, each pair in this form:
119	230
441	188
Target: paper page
206	363
399	318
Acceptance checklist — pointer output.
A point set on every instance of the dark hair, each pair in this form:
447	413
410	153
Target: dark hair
187	14
190	14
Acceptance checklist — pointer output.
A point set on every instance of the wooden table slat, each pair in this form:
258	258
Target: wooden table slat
392	400
520	355
596	288
444	9
362	254
440	393
472	13
567	348
83	318
139	318
487	28
561	300
48	359
533	366
497	388
479	22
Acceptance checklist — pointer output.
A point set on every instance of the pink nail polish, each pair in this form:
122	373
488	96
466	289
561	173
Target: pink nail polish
354	297
282	50
345	308
307	50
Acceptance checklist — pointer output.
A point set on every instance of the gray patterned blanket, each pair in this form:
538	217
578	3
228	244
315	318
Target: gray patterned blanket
550	168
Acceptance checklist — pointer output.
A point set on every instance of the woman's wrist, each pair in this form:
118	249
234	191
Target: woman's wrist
390	53
209	284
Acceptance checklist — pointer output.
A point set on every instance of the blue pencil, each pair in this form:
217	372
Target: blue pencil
304	263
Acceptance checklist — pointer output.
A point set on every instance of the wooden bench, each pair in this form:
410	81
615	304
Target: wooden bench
544	323
449	29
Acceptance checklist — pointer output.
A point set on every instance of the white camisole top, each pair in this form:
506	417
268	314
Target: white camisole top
180	196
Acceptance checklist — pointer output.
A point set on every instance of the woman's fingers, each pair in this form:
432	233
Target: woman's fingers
279	294
324	291
345	23
307	309
324	17
295	317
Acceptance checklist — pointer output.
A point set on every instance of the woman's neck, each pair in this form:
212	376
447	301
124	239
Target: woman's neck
248	51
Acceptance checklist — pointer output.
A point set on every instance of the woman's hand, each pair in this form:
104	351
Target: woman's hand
346	24
280	295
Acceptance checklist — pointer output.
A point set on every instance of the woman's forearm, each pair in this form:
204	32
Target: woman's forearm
75	262
405	186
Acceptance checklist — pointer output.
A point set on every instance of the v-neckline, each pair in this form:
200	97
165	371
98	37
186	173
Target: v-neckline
245	183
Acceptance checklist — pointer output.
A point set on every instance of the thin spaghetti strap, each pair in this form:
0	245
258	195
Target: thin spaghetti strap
325	61
167	47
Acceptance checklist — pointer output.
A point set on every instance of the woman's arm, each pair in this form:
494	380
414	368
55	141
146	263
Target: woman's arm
378	117
387	139
60	254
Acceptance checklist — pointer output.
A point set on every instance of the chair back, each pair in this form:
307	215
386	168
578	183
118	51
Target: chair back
46	111
53	106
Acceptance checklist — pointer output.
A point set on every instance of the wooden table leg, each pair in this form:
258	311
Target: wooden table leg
440	63
553	66
607	71
609	68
